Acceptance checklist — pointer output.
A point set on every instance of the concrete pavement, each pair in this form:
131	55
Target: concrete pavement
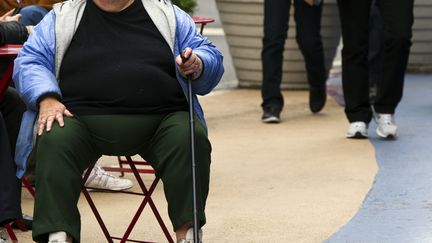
298	181
301	180
398	208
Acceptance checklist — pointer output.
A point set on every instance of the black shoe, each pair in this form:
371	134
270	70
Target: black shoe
271	115
317	98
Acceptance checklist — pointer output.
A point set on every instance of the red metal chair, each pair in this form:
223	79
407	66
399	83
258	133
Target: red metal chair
146	193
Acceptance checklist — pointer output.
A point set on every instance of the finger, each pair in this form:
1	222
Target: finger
187	52
195	67
59	118
9	13
17	17
189	72
179	60
67	113
41	127
191	60
49	123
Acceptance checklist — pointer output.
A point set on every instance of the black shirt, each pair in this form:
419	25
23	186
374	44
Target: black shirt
119	63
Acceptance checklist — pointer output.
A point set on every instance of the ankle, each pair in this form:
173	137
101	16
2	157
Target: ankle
181	232
189	236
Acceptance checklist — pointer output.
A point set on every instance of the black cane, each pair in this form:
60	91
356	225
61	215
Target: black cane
192	141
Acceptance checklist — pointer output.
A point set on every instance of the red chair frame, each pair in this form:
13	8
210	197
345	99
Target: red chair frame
146	200
19	222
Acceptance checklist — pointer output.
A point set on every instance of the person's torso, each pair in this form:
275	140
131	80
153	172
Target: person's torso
119	63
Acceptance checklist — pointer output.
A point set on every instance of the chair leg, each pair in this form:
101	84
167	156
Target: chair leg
93	206
147	199
120	165
11	233
28	186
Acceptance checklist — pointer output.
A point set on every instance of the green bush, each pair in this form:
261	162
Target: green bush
187	5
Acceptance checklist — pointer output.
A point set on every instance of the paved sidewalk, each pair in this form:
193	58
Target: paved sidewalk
298	181
398	207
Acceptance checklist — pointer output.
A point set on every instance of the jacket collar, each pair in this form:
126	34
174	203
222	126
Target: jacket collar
69	14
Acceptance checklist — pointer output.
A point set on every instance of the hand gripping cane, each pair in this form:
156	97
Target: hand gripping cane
192	141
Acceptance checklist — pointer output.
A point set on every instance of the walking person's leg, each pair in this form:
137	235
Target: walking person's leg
397	22
376	49
170	155
354	16
276	16
308	29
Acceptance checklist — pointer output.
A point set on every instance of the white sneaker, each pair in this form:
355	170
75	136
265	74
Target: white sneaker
2	237
190	236
59	237
357	130
386	126
100	179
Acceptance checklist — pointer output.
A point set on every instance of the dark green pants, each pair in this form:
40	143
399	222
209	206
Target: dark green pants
64	153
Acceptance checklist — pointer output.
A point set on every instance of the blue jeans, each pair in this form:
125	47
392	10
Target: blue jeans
32	14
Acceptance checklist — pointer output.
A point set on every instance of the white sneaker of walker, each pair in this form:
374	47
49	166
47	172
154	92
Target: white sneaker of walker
59	237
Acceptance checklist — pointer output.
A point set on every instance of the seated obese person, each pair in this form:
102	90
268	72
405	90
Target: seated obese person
107	77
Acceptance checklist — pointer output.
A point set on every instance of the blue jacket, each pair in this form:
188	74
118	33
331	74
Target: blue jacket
37	66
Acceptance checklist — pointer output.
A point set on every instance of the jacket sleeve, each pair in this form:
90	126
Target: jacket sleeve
12	33
34	67
187	36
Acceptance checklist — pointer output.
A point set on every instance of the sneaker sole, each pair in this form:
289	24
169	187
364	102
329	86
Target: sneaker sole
94	189
388	136
357	135
271	120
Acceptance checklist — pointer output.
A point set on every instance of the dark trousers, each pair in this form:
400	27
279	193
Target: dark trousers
10	197
308	25
163	140
376	46
12	107
11	110
397	17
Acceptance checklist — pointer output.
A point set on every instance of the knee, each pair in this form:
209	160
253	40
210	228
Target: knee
201	140
399	40
309	44
51	140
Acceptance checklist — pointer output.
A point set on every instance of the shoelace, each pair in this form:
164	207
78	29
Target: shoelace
100	171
